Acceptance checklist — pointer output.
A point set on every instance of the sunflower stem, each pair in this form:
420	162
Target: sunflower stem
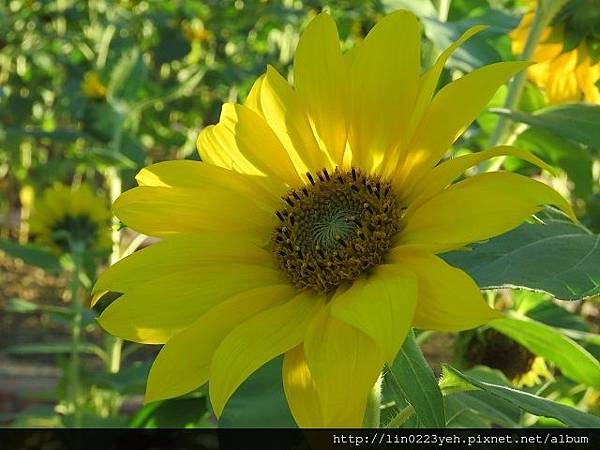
443	8
401	417
504	131
114	344
74	364
373	411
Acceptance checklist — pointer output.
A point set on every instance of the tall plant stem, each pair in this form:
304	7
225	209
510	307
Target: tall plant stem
543	15
74	364
114	344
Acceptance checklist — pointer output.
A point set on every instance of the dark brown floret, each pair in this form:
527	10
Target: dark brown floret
335	229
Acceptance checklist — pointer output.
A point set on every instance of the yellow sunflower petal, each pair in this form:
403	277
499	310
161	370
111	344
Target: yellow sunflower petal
177	254
344	363
477	208
562	82
300	390
384	80
253	99
197	175
287	116
449	300
166	211
156	310
588	75
320	80
381	306
443	122
430	79
243	129
445	173
257	341
183	364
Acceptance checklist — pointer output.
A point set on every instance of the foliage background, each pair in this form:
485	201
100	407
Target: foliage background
163	69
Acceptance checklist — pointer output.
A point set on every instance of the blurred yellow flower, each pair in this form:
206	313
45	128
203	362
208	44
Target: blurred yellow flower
567	64
194	31
66	218
312	227
92	86
493	349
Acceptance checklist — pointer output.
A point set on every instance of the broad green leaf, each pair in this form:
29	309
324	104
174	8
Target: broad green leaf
31	254
411	374
131	379
484	404
474	53
573	360
461	416
573	158
535	405
186	412
259	401
577	122
557	257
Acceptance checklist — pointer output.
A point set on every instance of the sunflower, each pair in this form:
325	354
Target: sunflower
67	219
312	227
493	349
568	56
93	87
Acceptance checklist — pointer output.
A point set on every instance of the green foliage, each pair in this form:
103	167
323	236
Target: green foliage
411	378
573	360
577	122
457	381
31	254
557	257
259	401
93	91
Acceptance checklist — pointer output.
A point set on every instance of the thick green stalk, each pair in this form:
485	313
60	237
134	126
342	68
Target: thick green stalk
502	133
73	378
114	344
373	411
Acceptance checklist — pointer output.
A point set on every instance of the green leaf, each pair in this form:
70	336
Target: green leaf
131	379
127	76
577	122
474	53
535	405
539	307
55	348
571	157
573	360
557	257
106	158
31	254
186	412
259	401
20	306
411	374
484	404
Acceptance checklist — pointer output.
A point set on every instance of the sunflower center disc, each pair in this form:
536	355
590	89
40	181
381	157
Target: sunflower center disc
335	229
80	228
